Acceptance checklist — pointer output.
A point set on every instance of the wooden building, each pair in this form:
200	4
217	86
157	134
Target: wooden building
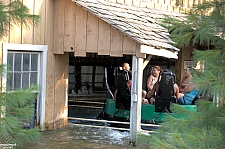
108	29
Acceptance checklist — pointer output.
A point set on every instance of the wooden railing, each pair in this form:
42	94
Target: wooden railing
167	5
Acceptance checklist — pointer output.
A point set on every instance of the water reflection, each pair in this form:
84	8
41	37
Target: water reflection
73	137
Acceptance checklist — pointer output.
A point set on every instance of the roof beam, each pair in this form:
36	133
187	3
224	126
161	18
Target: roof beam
158	52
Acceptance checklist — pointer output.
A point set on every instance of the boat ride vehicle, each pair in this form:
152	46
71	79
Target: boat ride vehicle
118	109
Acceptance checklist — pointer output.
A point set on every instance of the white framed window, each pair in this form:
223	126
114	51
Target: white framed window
27	65
23	69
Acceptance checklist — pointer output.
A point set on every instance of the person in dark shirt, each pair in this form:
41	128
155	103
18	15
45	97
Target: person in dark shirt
126	67
153	92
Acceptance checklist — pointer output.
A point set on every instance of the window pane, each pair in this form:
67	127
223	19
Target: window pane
26	62
10	61
25	81
23	70
17	80
9	81
17	65
33	78
34	62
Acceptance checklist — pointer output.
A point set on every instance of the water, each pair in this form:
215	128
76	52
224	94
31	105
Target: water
74	137
77	137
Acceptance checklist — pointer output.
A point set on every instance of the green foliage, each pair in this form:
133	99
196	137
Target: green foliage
204	129
212	80
197	27
15	13
17	108
204	30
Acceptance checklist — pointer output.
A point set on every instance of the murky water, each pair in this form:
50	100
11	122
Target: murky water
73	137
80	137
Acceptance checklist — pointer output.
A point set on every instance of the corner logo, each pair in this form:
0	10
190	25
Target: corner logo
5	142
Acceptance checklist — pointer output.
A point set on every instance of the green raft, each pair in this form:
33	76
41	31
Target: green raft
147	112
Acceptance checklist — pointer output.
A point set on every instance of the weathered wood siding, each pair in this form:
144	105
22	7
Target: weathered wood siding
60	108
80	32
70	20
57	69
57	65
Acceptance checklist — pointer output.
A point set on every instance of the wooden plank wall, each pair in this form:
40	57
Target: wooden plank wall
82	32
57	68
59	26
39	30
27	34
70	19
116	44
57	65
60	108
103	38
92	33
21	34
48	8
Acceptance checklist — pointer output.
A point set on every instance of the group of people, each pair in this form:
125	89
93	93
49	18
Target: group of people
185	92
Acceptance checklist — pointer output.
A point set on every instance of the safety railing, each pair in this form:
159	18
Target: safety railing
106	121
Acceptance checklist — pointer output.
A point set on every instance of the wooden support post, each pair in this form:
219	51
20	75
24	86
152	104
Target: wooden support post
136	98
146	61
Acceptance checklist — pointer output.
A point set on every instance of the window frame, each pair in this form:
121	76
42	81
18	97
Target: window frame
42	49
25	71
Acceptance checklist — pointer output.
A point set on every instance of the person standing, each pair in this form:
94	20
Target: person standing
126	68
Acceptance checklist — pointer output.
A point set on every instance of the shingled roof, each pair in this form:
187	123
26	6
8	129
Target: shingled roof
140	24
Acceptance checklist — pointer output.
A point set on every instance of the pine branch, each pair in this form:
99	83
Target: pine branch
205	128
15	13
26	136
